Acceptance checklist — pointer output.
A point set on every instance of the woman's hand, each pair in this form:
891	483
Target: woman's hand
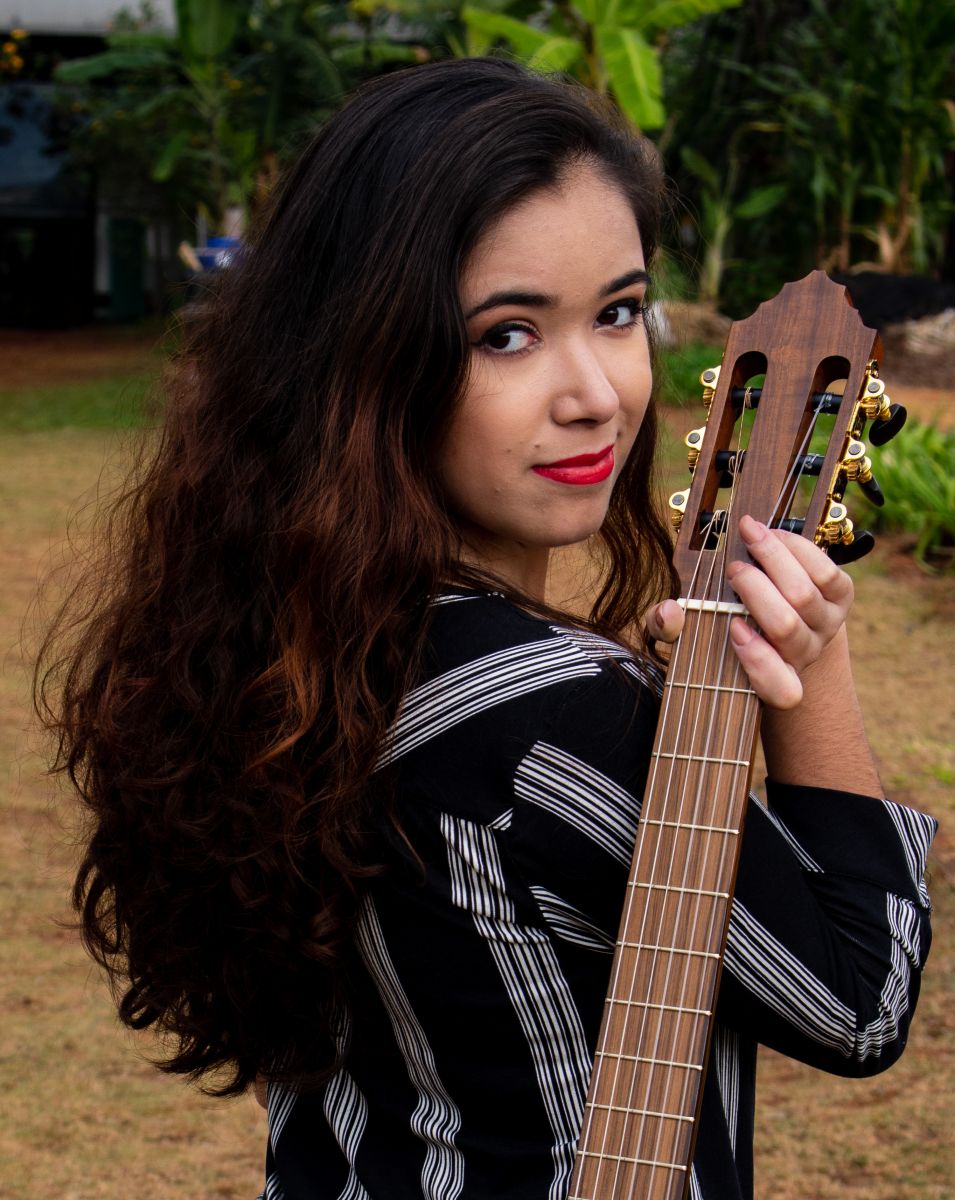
798	662
799	600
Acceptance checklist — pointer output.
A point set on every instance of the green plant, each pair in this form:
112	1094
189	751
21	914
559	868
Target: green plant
721	209
678	374
613	46
917	474
199	119
862	103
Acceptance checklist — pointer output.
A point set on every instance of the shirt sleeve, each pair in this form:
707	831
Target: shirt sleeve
829	927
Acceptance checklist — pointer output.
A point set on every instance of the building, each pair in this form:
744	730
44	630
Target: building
66	255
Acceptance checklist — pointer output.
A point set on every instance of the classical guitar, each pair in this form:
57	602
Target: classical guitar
801	372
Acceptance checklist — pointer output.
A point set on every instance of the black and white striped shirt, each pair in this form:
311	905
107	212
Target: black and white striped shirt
482	960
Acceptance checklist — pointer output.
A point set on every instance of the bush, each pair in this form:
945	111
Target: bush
917	474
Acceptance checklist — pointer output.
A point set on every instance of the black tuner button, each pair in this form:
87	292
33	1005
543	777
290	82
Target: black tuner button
791	524
727	464
872	492
881	432
810	464
858	548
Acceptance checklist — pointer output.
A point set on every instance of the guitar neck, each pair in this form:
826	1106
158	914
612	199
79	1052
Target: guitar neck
800	371
647	1080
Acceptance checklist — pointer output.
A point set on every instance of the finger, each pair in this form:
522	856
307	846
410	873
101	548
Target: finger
779	622
806	577
665	621
772	678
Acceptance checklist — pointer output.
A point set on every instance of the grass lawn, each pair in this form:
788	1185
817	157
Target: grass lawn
86	1117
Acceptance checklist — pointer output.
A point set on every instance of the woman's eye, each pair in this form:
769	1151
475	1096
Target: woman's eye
508	339
621	313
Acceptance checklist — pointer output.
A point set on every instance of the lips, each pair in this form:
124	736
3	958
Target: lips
582	469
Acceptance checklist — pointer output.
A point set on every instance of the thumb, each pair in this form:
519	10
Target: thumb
665	621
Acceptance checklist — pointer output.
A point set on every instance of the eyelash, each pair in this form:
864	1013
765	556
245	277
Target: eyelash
506	327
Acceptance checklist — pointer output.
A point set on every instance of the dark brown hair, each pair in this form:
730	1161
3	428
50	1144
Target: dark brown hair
223	678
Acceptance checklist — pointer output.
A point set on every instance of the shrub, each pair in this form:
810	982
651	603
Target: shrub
917	474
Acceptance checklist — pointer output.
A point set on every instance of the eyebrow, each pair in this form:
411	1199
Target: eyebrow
545	300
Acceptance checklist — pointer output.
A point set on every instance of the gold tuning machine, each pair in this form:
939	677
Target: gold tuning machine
678	508
836	528
856	464
873	400
694	443
709	379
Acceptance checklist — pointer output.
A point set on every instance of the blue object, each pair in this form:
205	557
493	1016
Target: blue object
218	252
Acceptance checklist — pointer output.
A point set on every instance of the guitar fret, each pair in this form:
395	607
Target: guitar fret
657	1062
641	1112
710	687
699	1012
668	949
730	762
643	1162
672	887
691	825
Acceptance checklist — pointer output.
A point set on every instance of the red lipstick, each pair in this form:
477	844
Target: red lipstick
583	469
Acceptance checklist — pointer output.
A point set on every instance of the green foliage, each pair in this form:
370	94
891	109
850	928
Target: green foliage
720	211
678	373
846	108
613	46
203	119
916	471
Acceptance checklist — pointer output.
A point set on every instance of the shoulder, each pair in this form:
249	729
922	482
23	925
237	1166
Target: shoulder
471	628
498	681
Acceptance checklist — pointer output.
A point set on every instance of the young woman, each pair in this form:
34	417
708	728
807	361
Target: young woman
361	804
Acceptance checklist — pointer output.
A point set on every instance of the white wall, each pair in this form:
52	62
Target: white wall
72	16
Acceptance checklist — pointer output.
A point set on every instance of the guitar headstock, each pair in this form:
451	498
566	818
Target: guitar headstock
801	370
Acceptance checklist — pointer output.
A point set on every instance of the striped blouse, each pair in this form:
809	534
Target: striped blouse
481	960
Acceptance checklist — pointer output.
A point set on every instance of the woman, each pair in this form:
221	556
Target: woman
361	802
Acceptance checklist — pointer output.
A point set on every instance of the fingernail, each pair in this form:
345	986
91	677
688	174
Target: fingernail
740	633
733	570
759	530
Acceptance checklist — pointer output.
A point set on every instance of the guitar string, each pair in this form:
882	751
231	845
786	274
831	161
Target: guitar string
678	652
719	556
644	1033
793	481
677	918
741	751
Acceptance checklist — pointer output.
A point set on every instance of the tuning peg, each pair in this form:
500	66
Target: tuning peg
678	508
694	443
884	428
836	526
820	402
709	379
809	464
842	553
859	468
728	462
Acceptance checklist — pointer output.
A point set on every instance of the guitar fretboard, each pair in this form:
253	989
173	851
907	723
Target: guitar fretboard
648	1071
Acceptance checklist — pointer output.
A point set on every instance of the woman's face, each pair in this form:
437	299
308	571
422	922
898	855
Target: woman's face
559	375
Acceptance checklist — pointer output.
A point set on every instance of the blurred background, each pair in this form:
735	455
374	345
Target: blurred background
136	145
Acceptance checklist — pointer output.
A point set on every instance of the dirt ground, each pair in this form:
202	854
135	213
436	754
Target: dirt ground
89	1119
44	357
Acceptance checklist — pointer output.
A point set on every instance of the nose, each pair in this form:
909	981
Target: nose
583	390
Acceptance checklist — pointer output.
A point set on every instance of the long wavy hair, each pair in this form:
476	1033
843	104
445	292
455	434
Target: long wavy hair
221	680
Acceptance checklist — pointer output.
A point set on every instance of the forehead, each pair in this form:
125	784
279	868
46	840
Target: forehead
582	230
